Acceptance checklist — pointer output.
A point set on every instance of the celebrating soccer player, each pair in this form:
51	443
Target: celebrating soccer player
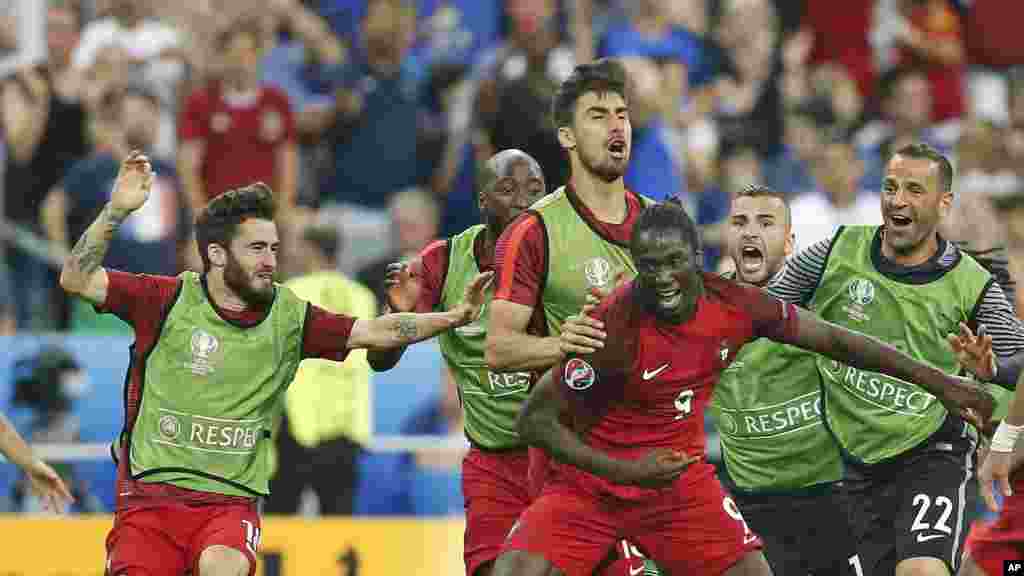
631	455
494	473
782	464
212	358
573	240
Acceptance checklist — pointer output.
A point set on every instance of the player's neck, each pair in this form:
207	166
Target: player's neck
222	296
606	200
914	257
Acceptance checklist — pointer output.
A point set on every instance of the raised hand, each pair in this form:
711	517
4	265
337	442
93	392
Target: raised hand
581	333
134	181
48	486
974	352
995	470
660	467
404	285
475	297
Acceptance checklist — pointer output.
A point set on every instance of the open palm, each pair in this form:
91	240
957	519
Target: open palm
134	181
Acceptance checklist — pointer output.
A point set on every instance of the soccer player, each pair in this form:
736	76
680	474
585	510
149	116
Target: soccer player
631	457
781	461
992	544
212	358
45	482
908	460
573	240
494	472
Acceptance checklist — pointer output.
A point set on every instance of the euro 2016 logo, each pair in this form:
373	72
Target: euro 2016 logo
203	345
861	293
578	374
598	271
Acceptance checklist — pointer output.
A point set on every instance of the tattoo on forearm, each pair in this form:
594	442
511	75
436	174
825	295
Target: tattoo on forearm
405	328
91	248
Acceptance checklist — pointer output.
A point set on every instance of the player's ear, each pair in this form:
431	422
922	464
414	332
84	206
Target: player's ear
566	137
217	254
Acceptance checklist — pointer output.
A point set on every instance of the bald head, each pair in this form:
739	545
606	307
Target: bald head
511	181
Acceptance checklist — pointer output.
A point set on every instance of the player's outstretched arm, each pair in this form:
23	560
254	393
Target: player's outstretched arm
540	424
45	482
403	292
959	395
404	328
82	274
510	348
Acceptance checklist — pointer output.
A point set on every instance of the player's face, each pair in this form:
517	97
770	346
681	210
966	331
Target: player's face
511	194
242	54
601	134
667	270
252	261
913	203
759	237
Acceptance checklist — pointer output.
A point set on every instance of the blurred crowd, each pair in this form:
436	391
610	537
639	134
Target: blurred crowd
372	116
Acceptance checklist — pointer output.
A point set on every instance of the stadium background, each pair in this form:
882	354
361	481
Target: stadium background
391	106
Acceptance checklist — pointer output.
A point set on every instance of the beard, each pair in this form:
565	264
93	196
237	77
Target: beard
603	168
241	283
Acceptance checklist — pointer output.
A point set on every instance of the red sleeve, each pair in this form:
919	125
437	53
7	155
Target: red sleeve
771	318
194	121
138	299
325	334
432	268
521	261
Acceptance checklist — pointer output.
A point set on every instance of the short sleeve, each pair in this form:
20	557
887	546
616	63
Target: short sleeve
138	299
326	335
770	317
521	261
433	268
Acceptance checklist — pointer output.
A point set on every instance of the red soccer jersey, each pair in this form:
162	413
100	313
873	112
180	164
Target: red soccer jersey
143	301
648	387
240	135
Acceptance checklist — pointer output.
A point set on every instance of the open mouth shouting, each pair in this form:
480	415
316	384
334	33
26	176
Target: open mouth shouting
617	148
751	258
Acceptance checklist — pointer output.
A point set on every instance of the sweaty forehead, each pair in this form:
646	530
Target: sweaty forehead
519	168
256	230
660	241
921	170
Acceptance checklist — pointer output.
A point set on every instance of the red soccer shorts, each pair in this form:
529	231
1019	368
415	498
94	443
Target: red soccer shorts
990	543
167	539
494	485
692	527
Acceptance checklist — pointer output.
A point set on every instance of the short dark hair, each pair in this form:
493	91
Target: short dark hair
600	76
667	216
218	222
326	239
922	150
761	191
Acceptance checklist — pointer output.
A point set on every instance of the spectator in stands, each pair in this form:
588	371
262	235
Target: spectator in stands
842	32
307	63
153	239
1014	136
44	126
655	166
415	220
983	170
647	32
327	408
930	37
236	131
138	47
514	106
994	45
805	136
48	383
439	416
837	199
903	116
373	134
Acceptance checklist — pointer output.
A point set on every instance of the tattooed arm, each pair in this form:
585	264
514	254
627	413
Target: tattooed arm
82	274
404	328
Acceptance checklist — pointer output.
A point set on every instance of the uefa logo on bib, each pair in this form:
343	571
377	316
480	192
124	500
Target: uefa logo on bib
203	345
598	271
861	293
